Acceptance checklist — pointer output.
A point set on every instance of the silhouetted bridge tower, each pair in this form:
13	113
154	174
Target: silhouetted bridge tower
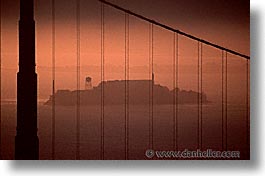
27	142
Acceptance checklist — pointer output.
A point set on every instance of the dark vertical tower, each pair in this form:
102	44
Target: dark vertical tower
27	142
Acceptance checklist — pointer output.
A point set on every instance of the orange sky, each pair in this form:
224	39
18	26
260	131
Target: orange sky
232	35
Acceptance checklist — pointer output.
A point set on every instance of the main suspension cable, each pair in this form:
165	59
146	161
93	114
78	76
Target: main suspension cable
174	30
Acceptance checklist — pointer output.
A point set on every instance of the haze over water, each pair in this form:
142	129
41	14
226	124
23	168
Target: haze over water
114	134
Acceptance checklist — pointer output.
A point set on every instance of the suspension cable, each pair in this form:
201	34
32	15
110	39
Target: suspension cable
78	79
224	100
201	120
151	84
1	80
247	107
174	30
53	79
175	92
222	90
127	85
177	89
102	79
198	95
226	92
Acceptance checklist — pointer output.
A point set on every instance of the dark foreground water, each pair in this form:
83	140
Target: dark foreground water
138	130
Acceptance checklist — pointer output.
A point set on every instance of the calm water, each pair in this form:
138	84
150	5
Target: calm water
138	130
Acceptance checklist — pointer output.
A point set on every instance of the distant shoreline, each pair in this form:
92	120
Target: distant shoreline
3	102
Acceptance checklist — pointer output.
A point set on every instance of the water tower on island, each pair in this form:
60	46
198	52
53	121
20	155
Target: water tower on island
88	83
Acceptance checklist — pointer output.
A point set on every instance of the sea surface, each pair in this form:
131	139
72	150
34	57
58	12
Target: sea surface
65	145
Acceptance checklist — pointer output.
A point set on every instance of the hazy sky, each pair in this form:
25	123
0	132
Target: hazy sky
204	18
176	11
222	22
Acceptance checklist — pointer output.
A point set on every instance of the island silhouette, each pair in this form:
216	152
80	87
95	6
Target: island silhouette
139	93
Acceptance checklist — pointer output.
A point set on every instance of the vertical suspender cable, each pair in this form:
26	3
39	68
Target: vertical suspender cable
226	93
201	121
102	80
175	92
153	82
1	80
224	100
128	79
53	79
247	108
126	86
198	96
151	85
78	79
222	92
